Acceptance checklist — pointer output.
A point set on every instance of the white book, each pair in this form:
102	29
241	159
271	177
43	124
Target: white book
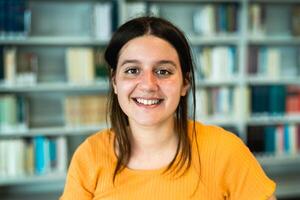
292	137
102	21
12	157
219	63
273	62
241	102
202	104
62	155
135	9
3	158
20	156
257	27
208	20
10	66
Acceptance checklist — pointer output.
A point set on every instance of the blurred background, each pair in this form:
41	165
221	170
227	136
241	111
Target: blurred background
53	81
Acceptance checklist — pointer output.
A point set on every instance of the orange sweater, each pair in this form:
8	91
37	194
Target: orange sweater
228	171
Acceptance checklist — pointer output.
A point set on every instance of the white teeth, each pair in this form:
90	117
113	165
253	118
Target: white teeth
147	102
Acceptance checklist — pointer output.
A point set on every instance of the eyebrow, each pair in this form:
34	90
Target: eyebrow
159	62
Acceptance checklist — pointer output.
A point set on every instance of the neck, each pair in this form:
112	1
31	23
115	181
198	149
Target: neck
152	138
152	144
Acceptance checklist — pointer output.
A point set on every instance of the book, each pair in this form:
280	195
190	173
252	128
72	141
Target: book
102	20
61	154
39	155
269	133
80	65
101	70
10	65
135	9
257	19
255	139
296	20
253	60
27	69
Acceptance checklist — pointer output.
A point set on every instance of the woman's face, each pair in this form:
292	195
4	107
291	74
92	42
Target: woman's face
148	81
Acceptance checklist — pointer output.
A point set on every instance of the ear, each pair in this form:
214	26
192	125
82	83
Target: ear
185	87
113	81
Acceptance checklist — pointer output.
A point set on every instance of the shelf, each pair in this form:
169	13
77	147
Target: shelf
53	177
263	80
220	121
51	131
273	40
101	86
190	1
272	120
217	83
272	160
224	39
273	1
43	40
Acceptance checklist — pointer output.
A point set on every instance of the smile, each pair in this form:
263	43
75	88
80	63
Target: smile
147	102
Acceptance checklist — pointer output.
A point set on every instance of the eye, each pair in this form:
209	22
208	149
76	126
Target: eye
163	72
132	70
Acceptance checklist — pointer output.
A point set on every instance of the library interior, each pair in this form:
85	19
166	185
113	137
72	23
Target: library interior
54	81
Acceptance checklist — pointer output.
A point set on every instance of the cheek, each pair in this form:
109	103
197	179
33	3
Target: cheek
124	88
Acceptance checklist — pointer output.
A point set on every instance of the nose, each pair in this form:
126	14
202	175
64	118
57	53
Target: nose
148	82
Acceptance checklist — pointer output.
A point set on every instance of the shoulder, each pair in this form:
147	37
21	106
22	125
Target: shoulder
213	134
96	145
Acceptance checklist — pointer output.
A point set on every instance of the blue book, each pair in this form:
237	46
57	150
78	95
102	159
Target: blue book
2	17
53	152
270	132
286	140
222	19
39	152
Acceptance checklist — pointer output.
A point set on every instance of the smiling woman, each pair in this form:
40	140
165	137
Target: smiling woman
152	150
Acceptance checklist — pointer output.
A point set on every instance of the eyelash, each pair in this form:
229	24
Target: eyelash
129	70
165	72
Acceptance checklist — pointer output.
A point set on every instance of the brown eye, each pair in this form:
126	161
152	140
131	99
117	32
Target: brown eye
163	72
132	71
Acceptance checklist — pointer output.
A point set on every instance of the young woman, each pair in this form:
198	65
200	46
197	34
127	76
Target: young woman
152	150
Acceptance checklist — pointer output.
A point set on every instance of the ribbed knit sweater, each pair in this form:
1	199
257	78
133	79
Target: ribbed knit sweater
227	170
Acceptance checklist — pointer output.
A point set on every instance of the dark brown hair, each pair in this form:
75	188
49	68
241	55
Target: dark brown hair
119	121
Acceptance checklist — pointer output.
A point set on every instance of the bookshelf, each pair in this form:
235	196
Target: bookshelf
260	52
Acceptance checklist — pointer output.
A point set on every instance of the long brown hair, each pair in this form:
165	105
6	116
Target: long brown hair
119	121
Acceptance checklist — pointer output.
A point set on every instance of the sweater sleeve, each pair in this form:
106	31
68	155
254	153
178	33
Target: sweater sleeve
80	181
243	177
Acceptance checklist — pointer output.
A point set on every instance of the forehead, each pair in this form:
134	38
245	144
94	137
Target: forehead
148	47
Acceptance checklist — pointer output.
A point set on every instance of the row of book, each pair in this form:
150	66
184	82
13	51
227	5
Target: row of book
281	139
85	110
210	19
217	63
275	100
228	101
83	66
221	102
14	18
274	19
274	62
17	113
33	156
